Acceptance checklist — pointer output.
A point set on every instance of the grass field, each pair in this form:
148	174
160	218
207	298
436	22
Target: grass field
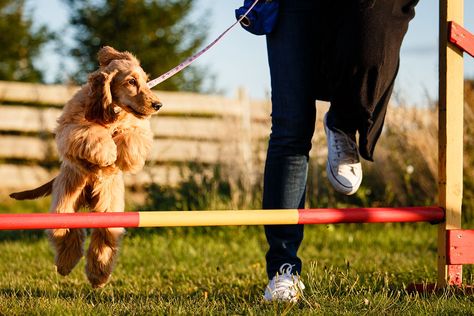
348	269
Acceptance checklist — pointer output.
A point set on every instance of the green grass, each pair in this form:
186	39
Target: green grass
348	269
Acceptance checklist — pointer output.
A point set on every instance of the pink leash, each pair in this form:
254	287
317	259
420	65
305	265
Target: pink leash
191	59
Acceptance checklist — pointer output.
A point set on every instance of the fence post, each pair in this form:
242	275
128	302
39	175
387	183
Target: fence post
245	142
450	142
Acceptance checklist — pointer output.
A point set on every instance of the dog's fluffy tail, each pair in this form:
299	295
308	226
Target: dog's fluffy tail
41	191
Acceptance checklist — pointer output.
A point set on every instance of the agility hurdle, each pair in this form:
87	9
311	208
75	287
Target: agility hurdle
455	246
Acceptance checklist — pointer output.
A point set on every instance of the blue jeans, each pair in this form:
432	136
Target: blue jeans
345	52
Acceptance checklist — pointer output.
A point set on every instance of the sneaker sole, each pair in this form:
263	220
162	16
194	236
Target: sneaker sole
338	186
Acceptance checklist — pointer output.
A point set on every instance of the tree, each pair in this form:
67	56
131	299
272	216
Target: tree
19	43
157	31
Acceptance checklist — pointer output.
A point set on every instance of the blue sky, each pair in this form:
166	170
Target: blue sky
239	60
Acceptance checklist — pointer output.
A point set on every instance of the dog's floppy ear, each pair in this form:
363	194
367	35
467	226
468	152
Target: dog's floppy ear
99	101
106	54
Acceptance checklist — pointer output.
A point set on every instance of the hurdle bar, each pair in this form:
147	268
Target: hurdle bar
221	218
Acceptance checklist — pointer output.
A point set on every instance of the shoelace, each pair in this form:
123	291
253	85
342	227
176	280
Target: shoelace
345	148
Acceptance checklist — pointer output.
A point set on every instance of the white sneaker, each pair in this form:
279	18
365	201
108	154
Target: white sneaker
284	287
343	167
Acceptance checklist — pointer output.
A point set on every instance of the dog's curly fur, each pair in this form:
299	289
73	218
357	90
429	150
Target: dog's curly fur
103	131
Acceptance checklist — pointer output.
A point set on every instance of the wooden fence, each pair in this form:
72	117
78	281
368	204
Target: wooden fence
191	127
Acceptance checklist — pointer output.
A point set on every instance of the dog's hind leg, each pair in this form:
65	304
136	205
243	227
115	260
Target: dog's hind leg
108	196
68	243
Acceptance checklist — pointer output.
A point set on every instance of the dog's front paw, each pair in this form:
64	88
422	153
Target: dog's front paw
104	154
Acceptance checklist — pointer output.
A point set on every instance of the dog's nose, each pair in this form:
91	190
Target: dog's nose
156	105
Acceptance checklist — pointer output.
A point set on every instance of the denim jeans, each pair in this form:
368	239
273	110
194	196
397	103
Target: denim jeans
345	52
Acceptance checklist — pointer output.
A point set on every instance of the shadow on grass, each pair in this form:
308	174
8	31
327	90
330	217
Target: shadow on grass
201	299
111	294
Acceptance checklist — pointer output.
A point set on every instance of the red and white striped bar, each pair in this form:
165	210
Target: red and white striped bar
221	218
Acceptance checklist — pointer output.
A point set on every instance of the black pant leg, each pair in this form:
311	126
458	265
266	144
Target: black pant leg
371	48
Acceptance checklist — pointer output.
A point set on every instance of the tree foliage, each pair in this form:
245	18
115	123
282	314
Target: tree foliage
159	32
20	44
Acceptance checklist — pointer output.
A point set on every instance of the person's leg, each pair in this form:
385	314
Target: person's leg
291	57
371	41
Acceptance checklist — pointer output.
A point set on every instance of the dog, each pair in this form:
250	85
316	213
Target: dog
103	131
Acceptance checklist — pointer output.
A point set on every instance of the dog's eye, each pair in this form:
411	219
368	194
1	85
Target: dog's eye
132	82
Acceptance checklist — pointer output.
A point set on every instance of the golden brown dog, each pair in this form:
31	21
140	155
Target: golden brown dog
103	131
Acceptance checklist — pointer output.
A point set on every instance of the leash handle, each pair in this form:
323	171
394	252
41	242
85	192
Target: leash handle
191	59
